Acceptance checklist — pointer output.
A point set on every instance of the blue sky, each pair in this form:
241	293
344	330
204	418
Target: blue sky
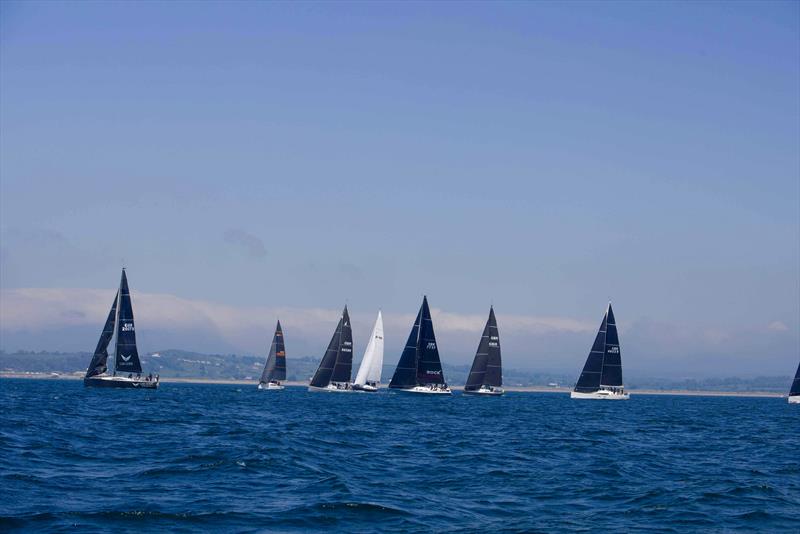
246	160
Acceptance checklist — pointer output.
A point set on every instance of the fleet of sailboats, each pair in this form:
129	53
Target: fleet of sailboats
368	377
601	377
420	369
794	392
275	368
119	327
333	373
486	375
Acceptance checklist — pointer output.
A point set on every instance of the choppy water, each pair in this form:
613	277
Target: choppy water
204	457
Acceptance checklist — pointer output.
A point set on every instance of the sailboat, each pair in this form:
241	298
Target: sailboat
419	369
275	368
601	377
486	374
119	325
794	393
333	373
369	373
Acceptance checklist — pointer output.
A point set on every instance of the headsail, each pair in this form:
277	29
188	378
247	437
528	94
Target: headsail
275	369
329	369
604	363
372	362
796	384
486	367
405	374
99	363
126	357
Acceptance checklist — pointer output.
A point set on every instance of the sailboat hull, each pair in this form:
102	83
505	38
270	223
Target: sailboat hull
271	386
333	388
425	390
485	391
365	387
600	395
119	382
794	399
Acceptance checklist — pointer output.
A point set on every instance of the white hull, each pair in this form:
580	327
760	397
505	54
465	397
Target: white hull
602	394
332	388
270	386
794	399
427	390
365	387
486	391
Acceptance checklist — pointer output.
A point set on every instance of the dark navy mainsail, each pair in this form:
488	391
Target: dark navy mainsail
429	367
275	369
604	364
329	369
796	384
419	364
127	356
344	359
486	367
99	363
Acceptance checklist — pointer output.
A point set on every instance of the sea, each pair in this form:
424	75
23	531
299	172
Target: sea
231	458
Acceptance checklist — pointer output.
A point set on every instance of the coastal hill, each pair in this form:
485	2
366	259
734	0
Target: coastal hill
175	363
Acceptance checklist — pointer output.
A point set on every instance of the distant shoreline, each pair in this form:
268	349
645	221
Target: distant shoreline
516	389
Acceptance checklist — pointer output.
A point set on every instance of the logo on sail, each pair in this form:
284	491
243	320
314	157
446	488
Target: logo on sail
125	358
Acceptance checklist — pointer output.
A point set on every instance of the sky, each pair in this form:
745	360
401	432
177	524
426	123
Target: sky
254	160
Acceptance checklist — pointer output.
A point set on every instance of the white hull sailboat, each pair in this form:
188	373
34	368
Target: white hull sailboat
420	369
369	373
601	378
275	368
127	366
794	392
333	373
486	374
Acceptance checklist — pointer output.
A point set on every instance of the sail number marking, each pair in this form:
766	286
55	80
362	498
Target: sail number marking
127	327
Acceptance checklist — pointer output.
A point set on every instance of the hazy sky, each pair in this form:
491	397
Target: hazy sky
248	160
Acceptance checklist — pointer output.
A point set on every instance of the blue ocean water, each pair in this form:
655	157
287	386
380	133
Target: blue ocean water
232	458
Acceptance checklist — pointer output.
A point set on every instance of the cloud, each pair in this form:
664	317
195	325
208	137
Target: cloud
777	326
248	243
47	317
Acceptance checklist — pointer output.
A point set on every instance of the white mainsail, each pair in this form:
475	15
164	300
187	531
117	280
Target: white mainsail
372	363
